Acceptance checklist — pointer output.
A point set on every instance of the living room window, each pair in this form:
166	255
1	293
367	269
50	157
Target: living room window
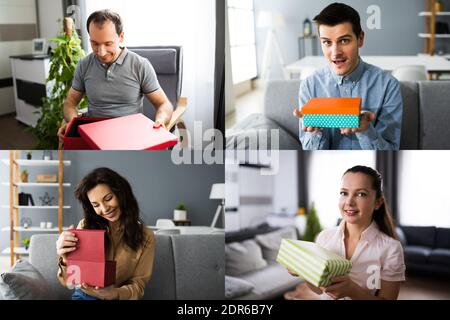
423	196
241	22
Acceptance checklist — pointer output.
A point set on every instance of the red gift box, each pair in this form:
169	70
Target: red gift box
72	138
133	132
89	259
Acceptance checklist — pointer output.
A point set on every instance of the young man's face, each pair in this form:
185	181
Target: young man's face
105	41
340	47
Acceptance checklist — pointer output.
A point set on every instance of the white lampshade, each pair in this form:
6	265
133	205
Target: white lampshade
270	19
217	191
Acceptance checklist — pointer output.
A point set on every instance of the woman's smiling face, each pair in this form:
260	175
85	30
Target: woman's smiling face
358	199
105	202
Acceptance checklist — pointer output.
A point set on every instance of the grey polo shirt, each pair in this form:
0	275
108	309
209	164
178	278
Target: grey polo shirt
116	90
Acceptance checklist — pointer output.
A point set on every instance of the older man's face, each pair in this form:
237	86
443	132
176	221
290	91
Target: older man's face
105	41
341	47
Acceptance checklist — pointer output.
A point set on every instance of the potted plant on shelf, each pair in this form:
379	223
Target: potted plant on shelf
180	212
26	242
29	155
64	59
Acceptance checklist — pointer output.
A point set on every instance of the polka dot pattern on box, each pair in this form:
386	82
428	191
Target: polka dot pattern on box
331	120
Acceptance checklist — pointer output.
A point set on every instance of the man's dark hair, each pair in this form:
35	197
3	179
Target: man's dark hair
337	13
101	16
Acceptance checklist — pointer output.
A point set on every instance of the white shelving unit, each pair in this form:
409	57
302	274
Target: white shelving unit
16	164
432	11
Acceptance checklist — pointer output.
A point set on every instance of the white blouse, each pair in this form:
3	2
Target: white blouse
376	257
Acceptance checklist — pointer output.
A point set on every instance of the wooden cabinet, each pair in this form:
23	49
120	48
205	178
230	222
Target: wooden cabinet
29	74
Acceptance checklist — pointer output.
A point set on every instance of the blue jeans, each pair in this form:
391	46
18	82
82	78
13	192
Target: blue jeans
80	295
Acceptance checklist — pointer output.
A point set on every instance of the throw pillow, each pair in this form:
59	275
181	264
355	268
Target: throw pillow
24	282
270	242
242	257
235	287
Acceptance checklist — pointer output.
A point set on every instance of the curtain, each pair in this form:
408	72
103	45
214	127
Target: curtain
386	164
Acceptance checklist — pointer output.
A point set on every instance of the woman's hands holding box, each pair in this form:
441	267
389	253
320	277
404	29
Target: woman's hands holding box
66	243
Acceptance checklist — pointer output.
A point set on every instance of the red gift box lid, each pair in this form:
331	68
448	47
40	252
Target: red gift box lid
133	132
90	245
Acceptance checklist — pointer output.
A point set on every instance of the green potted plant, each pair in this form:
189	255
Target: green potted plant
64	59
26	242
313	226
180	212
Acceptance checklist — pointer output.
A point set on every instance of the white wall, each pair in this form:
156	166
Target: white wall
49	11
13	12
285	193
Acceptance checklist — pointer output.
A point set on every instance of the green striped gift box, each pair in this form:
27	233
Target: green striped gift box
312	262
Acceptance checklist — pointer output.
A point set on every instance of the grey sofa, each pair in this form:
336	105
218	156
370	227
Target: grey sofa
185	266
426	116
263	282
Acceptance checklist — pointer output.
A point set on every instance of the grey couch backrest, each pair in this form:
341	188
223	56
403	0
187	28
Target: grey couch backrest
185	266
425	111
280	100
168	64
434	115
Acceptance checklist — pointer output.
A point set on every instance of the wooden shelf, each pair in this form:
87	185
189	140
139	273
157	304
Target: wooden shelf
17	250
428	13
15	163
38	163
428	35
35	207
37	184
33	229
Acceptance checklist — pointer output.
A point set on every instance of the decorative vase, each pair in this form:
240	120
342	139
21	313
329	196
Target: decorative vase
179	215
24	176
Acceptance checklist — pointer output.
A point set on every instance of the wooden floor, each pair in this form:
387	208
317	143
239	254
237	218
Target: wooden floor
13	135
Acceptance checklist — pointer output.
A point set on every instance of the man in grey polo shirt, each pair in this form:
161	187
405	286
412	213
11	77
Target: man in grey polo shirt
113	78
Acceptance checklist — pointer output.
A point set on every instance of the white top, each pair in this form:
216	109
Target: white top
376	256
387	63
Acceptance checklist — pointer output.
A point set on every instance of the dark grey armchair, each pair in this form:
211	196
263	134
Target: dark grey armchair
168	64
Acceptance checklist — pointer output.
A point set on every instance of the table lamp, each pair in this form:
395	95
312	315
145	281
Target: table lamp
218	192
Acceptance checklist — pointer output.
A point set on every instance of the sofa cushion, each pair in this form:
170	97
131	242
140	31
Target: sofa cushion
417	253
409	138
270	242
255	132
434	115
271	282
248	233
280	99
420	236
440	256
243	257
24	282
235	287
443	238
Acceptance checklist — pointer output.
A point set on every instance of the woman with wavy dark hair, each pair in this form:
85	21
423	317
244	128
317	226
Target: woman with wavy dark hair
366	236
109	204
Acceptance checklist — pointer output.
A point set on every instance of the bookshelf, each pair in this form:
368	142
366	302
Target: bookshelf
433	10
16	164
